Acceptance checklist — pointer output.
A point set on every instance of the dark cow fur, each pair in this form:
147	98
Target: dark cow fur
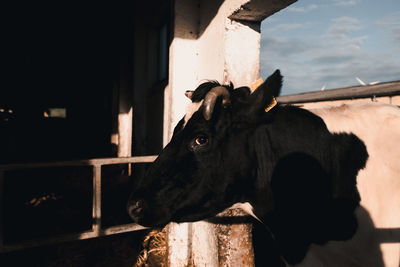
299	178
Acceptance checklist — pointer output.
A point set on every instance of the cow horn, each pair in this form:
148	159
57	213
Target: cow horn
189	94
211	98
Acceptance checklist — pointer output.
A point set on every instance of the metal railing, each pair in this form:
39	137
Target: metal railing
96	229
354	92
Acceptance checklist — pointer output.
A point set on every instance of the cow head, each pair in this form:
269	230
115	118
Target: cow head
208	165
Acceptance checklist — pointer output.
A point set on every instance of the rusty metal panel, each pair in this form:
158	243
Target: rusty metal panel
235	247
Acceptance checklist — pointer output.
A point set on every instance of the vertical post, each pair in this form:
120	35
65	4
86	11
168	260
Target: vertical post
242	52
125	136
183	75
125	133
125	112
1	208
179	244
213	40
96	206
204	244
114	123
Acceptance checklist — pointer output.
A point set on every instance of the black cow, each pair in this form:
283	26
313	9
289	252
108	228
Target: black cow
294	175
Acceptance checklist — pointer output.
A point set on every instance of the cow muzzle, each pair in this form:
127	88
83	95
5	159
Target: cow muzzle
135	210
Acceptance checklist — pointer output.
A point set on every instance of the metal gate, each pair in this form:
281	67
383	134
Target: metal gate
96	228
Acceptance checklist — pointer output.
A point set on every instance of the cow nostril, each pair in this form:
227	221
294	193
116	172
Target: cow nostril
135	209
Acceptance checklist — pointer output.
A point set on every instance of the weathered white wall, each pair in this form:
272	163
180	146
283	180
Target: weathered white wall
242	52
209	45
182	63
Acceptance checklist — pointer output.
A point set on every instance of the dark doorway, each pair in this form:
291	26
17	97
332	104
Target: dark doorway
65	67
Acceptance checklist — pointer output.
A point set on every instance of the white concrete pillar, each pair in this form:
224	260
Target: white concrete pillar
124	112
242	52
218	40
179	244
182	64
188	243
204	244
125	134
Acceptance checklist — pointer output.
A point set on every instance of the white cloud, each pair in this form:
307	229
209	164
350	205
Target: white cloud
335	62
331	54
392	23
345	20
302	9
342	26
285	48
283	27
345	2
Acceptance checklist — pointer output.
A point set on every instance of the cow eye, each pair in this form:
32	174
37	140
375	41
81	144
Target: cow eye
198	142
201	140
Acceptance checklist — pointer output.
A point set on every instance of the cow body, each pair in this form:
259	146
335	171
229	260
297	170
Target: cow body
296	171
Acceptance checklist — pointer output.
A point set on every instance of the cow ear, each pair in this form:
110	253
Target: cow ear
265	94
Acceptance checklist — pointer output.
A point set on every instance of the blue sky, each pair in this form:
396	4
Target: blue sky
328	43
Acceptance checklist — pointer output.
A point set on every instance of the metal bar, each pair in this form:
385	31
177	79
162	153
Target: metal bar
118	229
88	162
1	208
71	237
378	90
96	207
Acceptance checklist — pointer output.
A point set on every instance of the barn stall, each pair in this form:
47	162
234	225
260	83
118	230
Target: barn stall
98	89
95	86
